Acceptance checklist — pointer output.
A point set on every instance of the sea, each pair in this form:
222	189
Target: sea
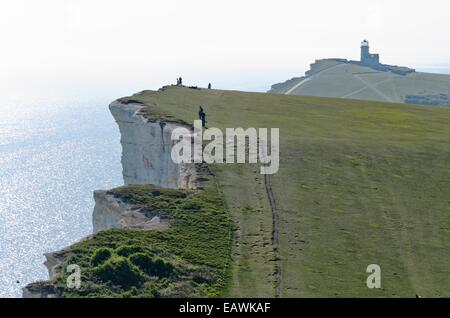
55	150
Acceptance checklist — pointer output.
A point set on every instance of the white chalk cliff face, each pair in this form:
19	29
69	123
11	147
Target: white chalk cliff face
146	159
112	212
147	145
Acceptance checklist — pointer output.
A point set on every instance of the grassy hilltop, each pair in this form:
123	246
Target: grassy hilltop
359	183
335	78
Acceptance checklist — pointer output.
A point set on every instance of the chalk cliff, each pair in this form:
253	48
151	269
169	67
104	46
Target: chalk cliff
146	148
146	159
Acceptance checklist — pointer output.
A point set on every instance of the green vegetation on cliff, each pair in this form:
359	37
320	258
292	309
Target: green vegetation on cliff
189	259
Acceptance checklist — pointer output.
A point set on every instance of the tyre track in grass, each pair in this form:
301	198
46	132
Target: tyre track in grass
275	235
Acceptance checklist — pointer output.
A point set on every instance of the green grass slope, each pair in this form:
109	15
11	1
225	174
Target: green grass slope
359	82
359	183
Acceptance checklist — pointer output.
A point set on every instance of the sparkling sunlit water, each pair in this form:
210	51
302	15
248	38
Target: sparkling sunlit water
53	153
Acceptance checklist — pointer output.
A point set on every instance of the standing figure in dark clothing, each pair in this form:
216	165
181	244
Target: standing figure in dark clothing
209	86
181	80
202	116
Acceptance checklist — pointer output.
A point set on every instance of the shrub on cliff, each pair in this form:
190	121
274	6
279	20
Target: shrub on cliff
119	271
100	256
127	250
152	266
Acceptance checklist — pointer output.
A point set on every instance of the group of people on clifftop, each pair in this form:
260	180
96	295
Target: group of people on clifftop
180	82
201	112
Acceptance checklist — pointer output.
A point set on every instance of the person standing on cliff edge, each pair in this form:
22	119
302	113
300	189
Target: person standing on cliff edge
202	116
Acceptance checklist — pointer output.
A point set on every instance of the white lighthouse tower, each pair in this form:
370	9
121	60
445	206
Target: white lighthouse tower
367	58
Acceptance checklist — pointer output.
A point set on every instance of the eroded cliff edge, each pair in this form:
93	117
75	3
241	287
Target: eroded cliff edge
146	159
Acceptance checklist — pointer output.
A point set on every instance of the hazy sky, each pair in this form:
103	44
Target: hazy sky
233	43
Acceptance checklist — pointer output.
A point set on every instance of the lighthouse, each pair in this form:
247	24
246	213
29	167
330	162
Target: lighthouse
367	58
